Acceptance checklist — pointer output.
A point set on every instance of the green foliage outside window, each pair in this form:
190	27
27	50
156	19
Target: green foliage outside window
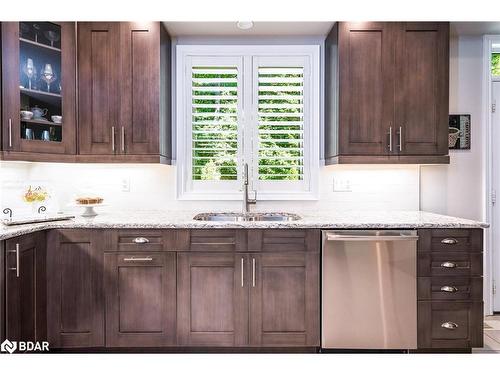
495	64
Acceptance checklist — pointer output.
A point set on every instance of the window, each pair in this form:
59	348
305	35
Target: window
495	64
255	105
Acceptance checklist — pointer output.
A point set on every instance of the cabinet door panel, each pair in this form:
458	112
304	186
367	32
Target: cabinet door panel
99	69
212	299
25	294
75	298
140	94
284	300
422	58
11	102
140	299
366	83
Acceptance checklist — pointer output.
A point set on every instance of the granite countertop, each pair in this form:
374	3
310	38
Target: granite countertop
182	219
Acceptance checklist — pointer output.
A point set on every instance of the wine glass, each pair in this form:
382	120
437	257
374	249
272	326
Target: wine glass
36	27
52	36
48	75
29	70
24	28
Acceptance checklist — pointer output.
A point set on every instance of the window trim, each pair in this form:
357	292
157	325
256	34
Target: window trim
184	54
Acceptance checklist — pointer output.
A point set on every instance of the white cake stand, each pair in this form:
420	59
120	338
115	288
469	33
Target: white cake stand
89	209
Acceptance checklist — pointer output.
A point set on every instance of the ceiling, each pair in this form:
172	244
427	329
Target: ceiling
475	28
259	28
299	28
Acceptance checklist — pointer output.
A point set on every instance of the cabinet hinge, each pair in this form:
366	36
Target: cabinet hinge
493	107
493	196
494	287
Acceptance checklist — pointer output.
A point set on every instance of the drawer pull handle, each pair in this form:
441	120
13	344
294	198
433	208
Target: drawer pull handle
140	240
449	325
449	241
448	265
449	289
134	259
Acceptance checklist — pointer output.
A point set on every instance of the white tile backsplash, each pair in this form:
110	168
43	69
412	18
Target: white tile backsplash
374	187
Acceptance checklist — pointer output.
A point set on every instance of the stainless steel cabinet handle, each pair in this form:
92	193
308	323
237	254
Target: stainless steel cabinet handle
253	272
17	260
137	259
242	271
400	145
140	240
113	138
123	139
449	241
449	325
449	289
10	133
390	138
342	237
448	265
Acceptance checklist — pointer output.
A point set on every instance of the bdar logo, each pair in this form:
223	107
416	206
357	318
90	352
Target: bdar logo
8	346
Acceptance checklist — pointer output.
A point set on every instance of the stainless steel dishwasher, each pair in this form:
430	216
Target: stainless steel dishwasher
369	289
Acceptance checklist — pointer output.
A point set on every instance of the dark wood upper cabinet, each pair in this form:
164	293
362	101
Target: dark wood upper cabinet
386	93
75	301
367	86
421	109
38	72
25	288
140	292
124	91
98	87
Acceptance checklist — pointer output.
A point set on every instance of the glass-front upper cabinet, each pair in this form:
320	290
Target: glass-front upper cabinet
38	91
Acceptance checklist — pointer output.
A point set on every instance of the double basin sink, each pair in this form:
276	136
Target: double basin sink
272	216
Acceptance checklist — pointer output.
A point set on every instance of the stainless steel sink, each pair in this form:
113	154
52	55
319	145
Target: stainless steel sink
234	216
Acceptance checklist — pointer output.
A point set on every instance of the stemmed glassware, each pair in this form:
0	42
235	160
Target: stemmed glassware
48	75
36	27
29	70
52	36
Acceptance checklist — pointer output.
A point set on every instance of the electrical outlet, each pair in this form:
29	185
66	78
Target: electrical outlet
125	184
341	184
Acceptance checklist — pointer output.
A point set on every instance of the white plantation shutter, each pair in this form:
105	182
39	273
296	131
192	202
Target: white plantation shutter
280	123
247	104
214	122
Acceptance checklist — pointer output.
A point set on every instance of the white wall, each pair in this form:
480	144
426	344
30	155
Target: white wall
457	189
153	187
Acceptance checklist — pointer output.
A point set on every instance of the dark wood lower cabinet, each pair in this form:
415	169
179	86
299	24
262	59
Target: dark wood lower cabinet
75	303
450	324
450	289
87	289
25	288
212	299
140	292
284	299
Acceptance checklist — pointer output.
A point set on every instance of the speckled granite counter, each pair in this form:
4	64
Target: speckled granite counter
326	220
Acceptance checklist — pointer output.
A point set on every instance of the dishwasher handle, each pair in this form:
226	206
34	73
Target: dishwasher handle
349	237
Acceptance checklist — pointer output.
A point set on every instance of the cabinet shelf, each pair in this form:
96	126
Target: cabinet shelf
41	45
47	97
41	122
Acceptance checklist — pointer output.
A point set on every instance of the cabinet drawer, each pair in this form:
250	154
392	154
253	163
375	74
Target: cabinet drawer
450	324
450	288
450	264
453	240
141	240
284	240
217	240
